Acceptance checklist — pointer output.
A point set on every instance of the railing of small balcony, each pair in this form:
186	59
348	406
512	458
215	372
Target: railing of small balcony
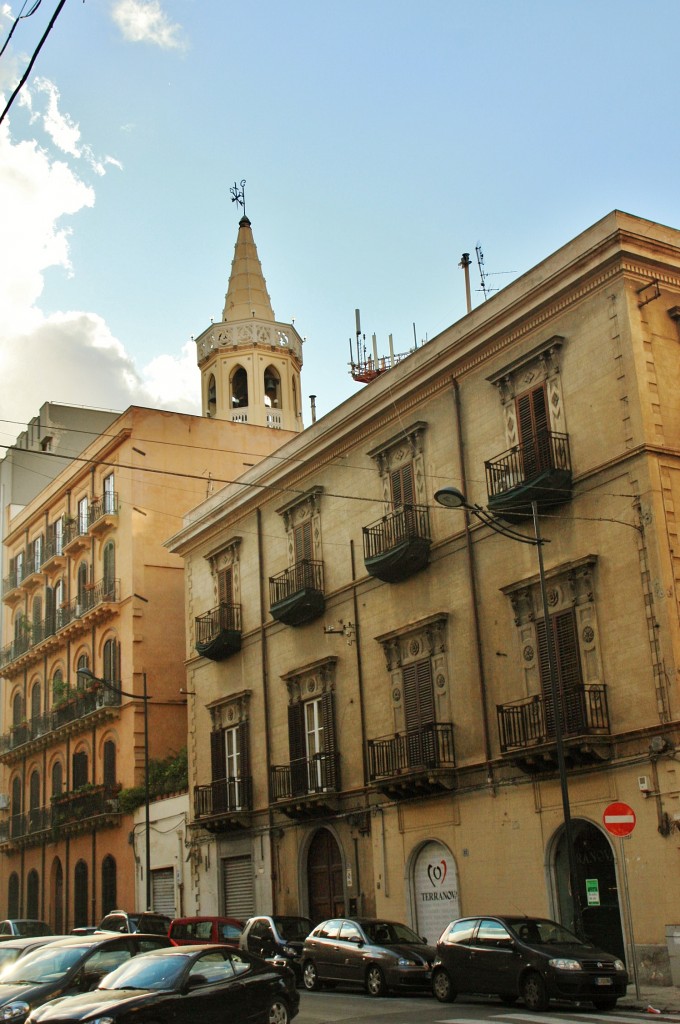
92	596
407	522
226	617
104	505
306	776
429	747
74	705
223	796
81	804
12	581
306	574
74	528
54	547
527	460
530	721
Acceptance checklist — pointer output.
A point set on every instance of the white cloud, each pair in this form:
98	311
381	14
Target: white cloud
70	356
145	21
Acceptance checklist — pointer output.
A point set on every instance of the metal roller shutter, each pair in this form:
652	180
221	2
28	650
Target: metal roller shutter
238	887
163	891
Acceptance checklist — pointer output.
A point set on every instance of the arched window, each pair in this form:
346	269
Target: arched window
34	802
272	388
50	611
17	709
16	824
57	896
212	395
37	627
57	778
36	706
80	900
109	763
111	662
58	687
33	895
13	895
109	560
83	662
239	388
109	897
82	583
80	769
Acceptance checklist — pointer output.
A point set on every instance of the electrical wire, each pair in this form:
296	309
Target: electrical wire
24	77
20	17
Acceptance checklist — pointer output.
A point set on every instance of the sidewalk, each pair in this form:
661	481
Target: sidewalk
666	1000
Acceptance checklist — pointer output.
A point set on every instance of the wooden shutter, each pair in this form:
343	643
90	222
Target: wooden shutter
79	770
419	713
401	481
568	669
244	756
302	536
110	763
298	750
225	586
218	755
533	423
331	778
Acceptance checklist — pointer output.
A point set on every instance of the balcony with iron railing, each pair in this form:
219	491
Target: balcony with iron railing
103	512
76	535
296	595
398	545
79	810
218	632
224	804
94	600
417	761
71	713
11	586
53	556
537	469
526	729
307	786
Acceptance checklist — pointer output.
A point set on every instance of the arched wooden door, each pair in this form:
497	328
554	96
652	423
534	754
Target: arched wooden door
325	877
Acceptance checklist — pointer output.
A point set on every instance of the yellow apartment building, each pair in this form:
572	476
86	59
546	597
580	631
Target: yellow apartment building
88	585
386	731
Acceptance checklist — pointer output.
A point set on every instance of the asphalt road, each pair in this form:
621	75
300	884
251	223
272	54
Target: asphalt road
356	1008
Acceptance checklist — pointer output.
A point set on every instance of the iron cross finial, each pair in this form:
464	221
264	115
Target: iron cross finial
238	194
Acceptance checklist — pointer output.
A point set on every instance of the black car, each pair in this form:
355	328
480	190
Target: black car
379	955
524	957
12	949
147	921
277	937
65	968
183	984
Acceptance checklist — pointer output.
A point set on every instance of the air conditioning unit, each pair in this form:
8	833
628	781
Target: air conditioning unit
4	801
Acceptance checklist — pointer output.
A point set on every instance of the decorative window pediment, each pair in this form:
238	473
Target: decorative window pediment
418	640
311	680
227	712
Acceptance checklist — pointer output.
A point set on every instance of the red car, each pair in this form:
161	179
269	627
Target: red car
188	931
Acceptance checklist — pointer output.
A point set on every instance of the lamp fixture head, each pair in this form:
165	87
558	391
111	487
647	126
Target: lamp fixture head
451	497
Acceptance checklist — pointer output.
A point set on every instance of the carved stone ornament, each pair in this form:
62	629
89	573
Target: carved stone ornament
528	652
315	678
229	711
588	634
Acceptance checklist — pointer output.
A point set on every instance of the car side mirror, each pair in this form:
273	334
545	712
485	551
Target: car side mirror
195	981
357	940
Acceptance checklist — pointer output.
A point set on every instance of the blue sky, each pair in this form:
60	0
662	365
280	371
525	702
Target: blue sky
379	140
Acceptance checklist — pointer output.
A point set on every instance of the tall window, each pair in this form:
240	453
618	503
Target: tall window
58	687
239	388
80	898
13	895
82	583
568	670
212	395
83	518
230	766
109	494
59	536
272	388
80	769
533	423
37	624
314	736
83	662
109	885
57	778
109	560
111	667
311	737
303	541
17	709
225	586
36	705
33	895
16	828
110	763
34	800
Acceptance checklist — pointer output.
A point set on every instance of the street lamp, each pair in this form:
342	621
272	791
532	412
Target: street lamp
147	824
451	497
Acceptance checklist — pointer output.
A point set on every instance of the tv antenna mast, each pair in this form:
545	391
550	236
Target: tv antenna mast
483	274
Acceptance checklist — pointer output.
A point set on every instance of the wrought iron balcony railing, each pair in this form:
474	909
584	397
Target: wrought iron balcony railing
104	505
424	749
76	705
223	796
538	468
398	545
77	806
296	595
530	721
218	632
306	776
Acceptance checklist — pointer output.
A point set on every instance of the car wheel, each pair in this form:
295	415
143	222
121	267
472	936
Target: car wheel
605	1003
375	981
508	999
310	977
442	987
533	992
278	1012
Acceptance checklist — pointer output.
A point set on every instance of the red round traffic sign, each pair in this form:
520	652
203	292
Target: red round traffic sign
619	819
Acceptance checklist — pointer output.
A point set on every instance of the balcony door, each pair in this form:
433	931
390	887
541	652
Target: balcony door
533	423
568	672
419	714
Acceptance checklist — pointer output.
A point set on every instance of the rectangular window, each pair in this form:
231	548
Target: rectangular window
302	539
225	586
569	678
109	498
533	424
83	518
419	713
315	744
401	482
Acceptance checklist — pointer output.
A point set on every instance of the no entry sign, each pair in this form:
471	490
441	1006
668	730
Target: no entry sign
619	819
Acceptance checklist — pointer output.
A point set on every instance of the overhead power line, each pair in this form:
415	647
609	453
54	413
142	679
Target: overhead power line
33	59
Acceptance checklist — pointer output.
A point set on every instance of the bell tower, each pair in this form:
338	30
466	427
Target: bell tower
250	363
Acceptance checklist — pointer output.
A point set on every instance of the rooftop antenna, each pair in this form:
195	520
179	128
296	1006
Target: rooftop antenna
483	273
238	194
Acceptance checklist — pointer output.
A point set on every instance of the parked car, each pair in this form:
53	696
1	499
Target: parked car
185	931
214	984
13	948
24	926
277	937
380	955
524	957
66	967
147	921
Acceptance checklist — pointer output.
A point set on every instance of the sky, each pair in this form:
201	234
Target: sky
379	140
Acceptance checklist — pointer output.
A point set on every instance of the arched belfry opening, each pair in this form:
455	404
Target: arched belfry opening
250	362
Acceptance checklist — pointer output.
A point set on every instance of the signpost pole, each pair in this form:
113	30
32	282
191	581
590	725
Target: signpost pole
619	820
629	916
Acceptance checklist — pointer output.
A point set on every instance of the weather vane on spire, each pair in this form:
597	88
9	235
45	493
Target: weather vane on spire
238	194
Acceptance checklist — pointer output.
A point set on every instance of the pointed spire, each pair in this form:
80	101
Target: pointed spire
247	297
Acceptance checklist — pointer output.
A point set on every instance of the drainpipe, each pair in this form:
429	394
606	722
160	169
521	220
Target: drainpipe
360	675
473	588
265	695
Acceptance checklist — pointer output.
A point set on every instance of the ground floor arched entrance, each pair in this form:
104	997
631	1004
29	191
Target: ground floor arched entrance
435	890
597	891
325	877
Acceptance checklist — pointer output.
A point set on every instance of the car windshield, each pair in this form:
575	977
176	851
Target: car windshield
148	972
293	929
544	933
28	929
390	933
48	964
8	954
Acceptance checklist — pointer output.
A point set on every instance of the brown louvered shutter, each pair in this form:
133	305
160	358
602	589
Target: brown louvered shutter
298	750
302	537
225	589
331	778
534	431
568	668
419	712
401	481
244	758
217	755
